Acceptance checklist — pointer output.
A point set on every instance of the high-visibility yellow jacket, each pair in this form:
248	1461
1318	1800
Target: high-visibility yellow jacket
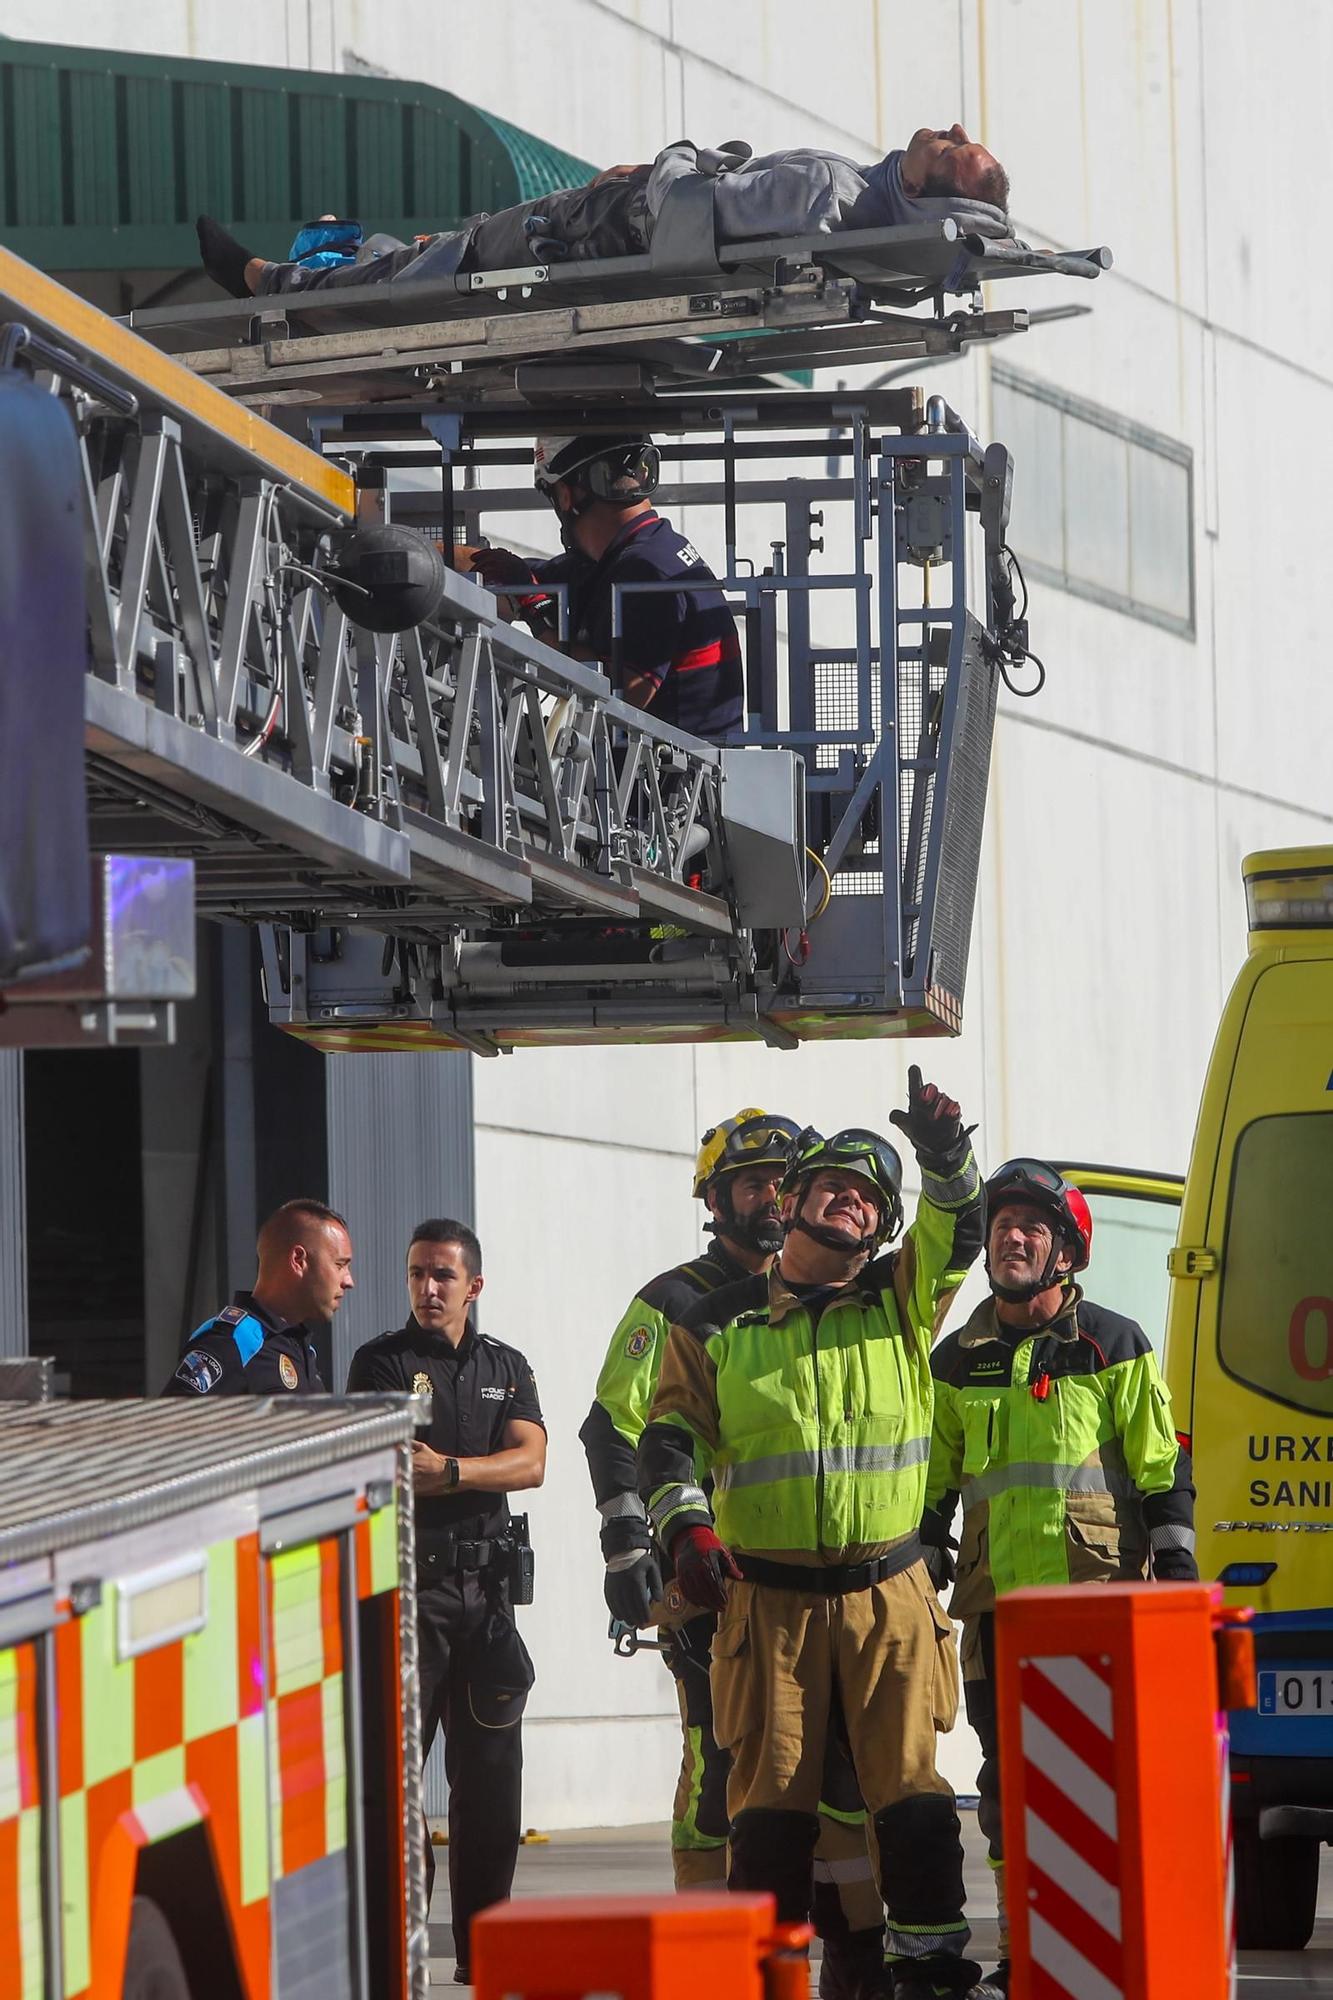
1062	1448
813	1416
625	1388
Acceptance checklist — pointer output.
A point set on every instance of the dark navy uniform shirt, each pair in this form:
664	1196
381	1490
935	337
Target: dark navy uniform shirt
246	1351
685	641
477	1389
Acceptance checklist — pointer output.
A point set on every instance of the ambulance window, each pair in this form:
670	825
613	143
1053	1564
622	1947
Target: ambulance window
1130	1241
1275	1320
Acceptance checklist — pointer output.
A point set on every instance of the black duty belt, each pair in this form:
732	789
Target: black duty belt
449	1553
829	1579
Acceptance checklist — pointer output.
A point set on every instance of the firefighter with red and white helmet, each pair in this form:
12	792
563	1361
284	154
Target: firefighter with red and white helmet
1053	1425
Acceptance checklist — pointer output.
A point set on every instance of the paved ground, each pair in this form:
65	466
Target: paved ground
633	1860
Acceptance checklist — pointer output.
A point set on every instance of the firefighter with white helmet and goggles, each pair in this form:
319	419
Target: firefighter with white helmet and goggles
671	647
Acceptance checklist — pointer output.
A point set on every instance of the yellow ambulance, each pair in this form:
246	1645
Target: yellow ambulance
1248	1318
1249	1360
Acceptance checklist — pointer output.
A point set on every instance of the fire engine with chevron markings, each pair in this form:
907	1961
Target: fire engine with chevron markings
209	1777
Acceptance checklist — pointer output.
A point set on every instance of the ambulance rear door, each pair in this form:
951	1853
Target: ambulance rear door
1257	1293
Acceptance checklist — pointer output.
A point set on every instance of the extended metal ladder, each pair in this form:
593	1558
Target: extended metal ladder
457	835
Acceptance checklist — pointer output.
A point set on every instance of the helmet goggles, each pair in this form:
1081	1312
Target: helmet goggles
1017	1179
622	471
854	1150
750	1139
760	1142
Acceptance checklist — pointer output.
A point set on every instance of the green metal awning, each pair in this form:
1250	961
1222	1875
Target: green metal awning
106	159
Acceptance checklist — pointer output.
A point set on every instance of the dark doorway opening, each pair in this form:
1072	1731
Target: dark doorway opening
84	1200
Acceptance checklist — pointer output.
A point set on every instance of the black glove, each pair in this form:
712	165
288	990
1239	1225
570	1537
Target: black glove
932	1121
940	1567
1174	1566
632	1590
937	1550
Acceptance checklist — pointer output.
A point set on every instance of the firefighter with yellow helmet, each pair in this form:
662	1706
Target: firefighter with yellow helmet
806	1392
740	1167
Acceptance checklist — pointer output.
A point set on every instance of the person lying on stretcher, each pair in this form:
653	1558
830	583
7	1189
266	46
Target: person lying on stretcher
938	174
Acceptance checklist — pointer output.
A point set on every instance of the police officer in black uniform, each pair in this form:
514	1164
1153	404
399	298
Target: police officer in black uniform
260	1344
486	1438
677	654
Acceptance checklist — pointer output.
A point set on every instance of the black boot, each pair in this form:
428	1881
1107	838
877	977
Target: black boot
921	1867
223	257
853	1967
918	1983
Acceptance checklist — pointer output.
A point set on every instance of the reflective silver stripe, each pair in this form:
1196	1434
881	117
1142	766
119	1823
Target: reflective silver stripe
1030	1472
1169	1536
856	1868
836	1458
669	1501
761	1471
622	1507
900	1941
877	1457
954	1192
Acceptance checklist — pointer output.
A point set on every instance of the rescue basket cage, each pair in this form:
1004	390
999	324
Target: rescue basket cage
456	835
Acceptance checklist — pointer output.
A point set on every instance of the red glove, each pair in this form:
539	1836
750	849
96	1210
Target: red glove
501	569
703	1565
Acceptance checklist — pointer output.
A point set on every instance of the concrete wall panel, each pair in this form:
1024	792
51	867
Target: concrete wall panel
570	1233
1274	435
562	1092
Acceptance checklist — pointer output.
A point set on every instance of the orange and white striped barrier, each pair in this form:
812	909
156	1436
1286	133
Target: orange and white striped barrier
1112	1762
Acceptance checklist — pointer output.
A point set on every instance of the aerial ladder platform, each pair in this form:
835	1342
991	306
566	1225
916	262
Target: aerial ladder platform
451	834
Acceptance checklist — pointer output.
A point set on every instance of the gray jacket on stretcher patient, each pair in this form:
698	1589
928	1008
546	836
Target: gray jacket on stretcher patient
795	193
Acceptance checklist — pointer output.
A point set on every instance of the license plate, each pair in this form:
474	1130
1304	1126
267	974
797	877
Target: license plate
1301	1692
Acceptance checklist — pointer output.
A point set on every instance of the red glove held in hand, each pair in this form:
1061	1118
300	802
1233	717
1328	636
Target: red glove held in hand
703	1565
501	569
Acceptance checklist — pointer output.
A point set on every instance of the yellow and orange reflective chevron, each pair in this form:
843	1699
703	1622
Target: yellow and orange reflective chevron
184	1734
20	1826
306	1741
146	1745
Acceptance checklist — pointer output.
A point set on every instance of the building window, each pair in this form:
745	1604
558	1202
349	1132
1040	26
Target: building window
1102	507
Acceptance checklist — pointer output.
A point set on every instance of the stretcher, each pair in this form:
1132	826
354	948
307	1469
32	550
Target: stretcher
687	314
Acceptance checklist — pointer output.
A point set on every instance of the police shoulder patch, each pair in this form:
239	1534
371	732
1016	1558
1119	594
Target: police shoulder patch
200	1370
639	1342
